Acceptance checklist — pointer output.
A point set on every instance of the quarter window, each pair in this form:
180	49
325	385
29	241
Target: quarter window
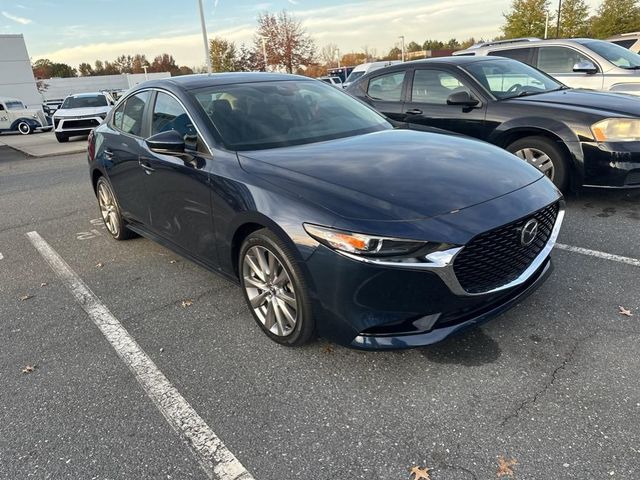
559	59
129	116
434	86
168	114
386	87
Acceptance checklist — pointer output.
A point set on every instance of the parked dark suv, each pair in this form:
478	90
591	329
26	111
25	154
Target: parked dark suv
576	137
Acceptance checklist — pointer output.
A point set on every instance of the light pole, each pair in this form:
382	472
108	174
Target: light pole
546	26
144	67
559	12
401	37
204	37
264	51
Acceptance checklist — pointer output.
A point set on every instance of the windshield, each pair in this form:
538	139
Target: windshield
85	102
354	76
15	105
256	116
507	78
619	56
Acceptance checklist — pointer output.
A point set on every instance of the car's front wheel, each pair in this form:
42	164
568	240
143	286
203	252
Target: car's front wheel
275	289
24	128
110	211
545	155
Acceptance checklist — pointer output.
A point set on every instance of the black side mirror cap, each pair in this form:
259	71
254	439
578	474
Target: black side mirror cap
462	98
166	143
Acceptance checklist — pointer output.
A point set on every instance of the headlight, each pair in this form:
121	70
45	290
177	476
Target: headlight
617	130
372	246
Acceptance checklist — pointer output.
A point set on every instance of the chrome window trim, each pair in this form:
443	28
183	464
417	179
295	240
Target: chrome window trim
441	263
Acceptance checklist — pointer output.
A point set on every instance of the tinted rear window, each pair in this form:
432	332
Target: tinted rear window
520	54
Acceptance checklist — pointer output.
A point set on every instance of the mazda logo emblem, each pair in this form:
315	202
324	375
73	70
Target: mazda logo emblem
529	232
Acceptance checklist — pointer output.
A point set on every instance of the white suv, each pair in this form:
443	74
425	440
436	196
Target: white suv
578	63
81	113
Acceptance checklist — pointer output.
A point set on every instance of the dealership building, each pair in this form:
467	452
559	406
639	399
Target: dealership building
16	76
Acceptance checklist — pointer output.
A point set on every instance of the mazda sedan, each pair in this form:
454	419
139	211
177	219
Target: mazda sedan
333	222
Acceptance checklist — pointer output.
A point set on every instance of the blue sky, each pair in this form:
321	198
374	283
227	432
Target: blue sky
74	31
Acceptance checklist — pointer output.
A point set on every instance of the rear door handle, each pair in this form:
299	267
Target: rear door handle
108	153
145	166
414	111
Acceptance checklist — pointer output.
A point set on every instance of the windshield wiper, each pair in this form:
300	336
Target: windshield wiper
634	67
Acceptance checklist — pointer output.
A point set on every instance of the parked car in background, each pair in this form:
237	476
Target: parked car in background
578	62
16	117
275	181
575	137
364	68
335	81
342	72
80	113
630	41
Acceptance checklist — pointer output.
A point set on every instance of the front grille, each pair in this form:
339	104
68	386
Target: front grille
88	123
633	178
495	258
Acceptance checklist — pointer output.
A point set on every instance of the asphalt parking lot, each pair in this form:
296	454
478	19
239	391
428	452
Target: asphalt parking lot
552	384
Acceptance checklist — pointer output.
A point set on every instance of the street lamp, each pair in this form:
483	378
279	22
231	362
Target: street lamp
204	37
144	67
264	51
401	37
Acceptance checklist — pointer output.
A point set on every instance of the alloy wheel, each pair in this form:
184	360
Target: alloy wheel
538	159
270	291
108	208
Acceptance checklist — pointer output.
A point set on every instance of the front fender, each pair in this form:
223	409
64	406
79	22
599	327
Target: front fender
31	121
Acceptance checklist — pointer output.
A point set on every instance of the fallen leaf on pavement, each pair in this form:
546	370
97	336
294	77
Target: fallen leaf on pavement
29	368
43	284
99	264
187	303
504	467
26	297
173	261
328	349
418	473
624	311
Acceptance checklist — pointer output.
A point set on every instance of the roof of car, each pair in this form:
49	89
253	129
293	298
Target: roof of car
457	60
190	82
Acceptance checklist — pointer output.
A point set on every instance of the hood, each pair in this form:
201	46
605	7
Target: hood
607	103
394	174
81	112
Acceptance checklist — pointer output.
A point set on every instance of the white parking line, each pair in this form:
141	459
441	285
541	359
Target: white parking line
595	253
216	460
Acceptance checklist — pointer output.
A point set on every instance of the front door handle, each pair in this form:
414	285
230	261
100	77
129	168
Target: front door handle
414	111
146	167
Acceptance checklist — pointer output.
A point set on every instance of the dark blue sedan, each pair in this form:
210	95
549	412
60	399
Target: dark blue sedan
333	222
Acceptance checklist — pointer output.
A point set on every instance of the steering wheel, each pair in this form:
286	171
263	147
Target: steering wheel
514	88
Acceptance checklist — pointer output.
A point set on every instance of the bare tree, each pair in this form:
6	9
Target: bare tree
329	54
288	45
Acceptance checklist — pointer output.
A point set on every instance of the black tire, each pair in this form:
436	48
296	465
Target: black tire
304	329
25	128
62	138
555	153
118	228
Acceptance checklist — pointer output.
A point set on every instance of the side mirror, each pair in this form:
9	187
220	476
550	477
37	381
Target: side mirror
585	67
166	143
463	98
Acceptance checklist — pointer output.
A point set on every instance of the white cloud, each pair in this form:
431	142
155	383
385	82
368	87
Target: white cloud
20	20
293	2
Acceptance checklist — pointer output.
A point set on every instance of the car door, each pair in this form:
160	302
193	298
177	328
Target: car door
179	188
385	93
427	104
5	122
122	147
558	61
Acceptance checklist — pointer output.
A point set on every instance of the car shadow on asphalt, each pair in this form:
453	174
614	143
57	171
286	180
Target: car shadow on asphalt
472	348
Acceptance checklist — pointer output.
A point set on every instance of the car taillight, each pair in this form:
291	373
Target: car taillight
91	148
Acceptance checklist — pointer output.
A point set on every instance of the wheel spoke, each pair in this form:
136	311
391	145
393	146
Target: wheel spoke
281	278
259	299
271	262
256	269
288	298
262	261
269	318
282	328
285	309
254	282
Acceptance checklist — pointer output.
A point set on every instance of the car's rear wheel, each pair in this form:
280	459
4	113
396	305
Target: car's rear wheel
62	138
110	211
24	128
545	155
275	289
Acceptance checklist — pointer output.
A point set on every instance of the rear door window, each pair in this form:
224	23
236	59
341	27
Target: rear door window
387	87
520	54
130	116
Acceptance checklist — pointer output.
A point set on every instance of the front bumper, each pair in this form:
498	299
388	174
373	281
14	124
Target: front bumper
611	164
77	125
